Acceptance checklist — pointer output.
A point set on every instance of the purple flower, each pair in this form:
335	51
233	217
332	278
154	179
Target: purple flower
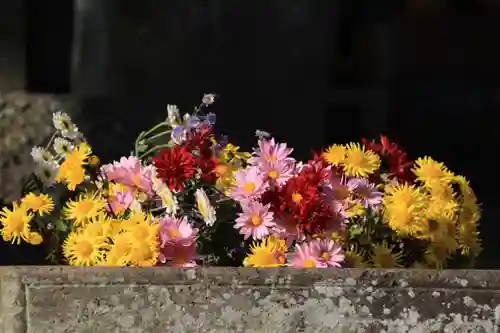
364	191
179	134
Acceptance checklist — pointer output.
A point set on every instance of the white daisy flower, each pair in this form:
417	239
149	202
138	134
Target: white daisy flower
62	146
41	155
208	99
62	122
47	172
205	207
173	115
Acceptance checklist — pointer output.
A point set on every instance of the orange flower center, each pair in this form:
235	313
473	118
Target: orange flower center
297	197
325	256
309	263
16	223
249	187
222	170
281	258
85	207
174	233
84	249
273	174
256	220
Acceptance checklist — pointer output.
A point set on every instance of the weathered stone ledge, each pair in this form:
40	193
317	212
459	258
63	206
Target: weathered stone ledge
66	299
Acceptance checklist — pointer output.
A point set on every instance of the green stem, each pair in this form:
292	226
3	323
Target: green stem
149	151
51	140
145	134
156	136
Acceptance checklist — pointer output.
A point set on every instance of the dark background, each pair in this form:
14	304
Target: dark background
424	72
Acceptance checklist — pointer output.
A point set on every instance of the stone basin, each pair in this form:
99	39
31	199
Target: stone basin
223	299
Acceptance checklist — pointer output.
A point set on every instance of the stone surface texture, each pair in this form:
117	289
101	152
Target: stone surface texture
25	121
65	299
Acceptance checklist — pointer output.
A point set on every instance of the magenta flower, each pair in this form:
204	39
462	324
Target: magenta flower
177	242
250	184
130	172
270	151
364	191
305	256
327	252
255	221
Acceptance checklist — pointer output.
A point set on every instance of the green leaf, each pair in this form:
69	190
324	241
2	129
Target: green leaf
61	226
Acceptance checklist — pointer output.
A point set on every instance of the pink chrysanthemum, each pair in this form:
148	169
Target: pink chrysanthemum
255	221
249	185
270	151
130	172
278	172
177	242
305	257
120	198
327	252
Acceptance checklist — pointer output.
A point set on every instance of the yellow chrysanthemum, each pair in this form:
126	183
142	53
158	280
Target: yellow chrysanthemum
80	249
225	176
467	195
34	238
439	230
408	195
360	162
136	217
335	154
144	254
231	154
404	208
119	251
441	201
268	253
41	203
16	223
143	231
71	169
98	226
436	255
468	239
355	258
86	207
384	256
429	171
355	210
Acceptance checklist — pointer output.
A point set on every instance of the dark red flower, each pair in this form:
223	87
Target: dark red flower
394	159
175	166
199	139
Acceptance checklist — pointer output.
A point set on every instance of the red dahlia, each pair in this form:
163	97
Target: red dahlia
393	157
175	166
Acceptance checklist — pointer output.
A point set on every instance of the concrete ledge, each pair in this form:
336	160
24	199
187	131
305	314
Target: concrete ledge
66	299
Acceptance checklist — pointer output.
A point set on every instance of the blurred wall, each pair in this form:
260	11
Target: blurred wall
12	45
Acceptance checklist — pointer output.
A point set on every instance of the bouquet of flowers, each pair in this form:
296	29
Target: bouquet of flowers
185	197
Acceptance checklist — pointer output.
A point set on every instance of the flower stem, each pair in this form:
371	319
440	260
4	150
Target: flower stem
152	149
156	136
51	140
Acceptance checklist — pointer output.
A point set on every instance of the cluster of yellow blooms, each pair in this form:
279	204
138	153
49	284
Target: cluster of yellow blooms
435	212
96	238
99	239
440	209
